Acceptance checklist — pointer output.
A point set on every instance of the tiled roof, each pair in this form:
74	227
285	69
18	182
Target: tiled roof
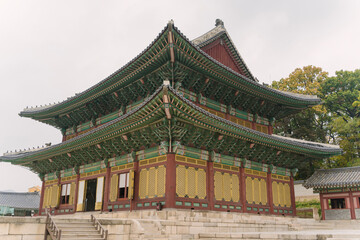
23	200
320	147
336	177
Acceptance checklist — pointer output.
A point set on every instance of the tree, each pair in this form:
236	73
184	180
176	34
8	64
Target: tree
341	98
310	124
340	92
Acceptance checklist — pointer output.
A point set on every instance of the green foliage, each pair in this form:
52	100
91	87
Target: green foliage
309	204
340	92
340	96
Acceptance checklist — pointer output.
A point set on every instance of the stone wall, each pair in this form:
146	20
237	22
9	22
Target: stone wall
22	228
357	213
337	214
304	194
33	228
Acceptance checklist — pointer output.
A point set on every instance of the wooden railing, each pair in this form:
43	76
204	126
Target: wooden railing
51	228
99	227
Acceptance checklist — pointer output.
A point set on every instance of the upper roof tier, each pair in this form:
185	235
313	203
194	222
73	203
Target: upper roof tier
193	64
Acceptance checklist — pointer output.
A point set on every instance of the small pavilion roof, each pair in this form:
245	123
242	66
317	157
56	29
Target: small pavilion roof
334	178
23	200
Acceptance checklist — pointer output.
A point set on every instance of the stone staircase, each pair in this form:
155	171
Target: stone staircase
77	229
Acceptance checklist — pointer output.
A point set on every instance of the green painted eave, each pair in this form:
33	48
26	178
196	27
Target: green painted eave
183	112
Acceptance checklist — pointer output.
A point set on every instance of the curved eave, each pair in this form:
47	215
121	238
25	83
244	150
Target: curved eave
213	67
142	116
332	186
103	87
313	150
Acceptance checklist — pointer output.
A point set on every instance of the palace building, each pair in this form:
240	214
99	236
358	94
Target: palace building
183	125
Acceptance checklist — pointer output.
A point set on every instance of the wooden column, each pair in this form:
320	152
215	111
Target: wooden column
242	187
56	209
42	195
76	190
253	125
322	206
292	194
270	129
210	185
136	185
107	188
269	191
352	207
227	116
170	185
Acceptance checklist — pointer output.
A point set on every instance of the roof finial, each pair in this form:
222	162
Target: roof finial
219	22
171	24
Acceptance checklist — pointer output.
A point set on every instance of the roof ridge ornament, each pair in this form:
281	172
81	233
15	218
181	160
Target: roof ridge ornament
170	24
219	22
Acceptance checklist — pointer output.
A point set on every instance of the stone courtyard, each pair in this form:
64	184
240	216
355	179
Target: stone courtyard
184	224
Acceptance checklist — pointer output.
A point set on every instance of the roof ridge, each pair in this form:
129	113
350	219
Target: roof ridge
19	193
339	169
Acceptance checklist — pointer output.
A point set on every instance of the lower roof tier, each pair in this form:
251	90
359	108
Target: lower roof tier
168	116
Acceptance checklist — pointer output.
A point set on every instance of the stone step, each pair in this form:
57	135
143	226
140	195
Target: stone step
75	225
343	238
71	220
81	230
75	235
82	238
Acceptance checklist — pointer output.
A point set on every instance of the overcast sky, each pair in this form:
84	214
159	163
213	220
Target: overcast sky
50	50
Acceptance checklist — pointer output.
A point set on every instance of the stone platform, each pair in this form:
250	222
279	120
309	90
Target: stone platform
185	224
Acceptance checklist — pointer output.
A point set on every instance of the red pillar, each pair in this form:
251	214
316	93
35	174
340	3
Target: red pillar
253	125
107	188
170	185
242	187
227	116
352	207
322	206
270	129
269	191
76	190
136	186
292	194
210	185
42	195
